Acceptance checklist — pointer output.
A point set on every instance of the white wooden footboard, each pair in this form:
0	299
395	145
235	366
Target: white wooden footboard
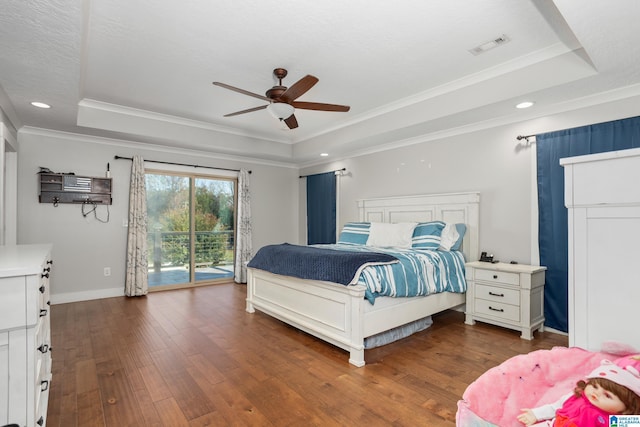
331	312
335	313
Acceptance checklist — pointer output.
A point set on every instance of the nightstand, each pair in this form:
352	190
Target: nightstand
508	295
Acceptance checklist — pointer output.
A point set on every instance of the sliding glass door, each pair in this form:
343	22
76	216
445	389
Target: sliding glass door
191	230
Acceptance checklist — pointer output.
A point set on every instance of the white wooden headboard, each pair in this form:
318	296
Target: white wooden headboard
450	207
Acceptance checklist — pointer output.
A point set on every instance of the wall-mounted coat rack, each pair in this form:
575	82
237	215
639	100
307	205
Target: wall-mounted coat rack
68	188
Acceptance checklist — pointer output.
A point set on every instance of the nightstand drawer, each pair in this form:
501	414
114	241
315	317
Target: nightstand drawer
494	293
497	277
498	310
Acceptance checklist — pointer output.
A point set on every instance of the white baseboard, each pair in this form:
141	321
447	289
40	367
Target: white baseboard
555	331
86	295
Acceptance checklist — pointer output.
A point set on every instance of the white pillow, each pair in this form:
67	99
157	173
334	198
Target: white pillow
384	234
448	237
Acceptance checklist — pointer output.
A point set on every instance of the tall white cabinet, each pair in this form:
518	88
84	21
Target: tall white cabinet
602	194
25	337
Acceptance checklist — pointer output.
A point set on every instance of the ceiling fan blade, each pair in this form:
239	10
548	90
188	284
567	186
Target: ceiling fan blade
245	92
299	88
291	121
249	110
320	106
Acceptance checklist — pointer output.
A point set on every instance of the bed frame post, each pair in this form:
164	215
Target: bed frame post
356	350
356	357
250	291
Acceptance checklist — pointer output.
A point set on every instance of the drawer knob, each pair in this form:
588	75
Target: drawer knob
495	276
44	348
43	312
50	262
501	310
44	385
493	294
40	421
41	289
45	275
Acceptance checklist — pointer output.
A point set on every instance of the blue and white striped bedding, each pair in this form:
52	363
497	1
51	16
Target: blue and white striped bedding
419	272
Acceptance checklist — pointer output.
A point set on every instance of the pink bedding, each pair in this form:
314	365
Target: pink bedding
524	381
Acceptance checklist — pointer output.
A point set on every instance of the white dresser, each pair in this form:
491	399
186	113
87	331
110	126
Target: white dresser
508	295
25	338
602	194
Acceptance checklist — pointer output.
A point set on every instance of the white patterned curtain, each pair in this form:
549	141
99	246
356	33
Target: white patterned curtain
243	231
136	281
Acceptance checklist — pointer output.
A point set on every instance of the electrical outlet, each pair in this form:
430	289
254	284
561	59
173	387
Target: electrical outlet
107	271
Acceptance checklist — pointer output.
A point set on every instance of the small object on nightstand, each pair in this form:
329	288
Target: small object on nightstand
486	258
513	262
507	295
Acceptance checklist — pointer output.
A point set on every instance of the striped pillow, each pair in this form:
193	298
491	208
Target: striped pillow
355	233
426	235
452	236
462	229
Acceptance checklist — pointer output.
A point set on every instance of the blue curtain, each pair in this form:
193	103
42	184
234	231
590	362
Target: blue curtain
553	233
321	208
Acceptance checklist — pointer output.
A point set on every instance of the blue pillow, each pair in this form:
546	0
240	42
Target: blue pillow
461	229
426	235
354	233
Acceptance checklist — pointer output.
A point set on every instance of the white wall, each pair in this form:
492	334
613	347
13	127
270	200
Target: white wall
84	246
490	161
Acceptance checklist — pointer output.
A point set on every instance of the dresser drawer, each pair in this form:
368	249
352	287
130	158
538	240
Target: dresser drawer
498	277
497	294
42	335
41	399
497	310
43	294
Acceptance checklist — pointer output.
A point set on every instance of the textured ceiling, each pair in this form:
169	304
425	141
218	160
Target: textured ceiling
142	70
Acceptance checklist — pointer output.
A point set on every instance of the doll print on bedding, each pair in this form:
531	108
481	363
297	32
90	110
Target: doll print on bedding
611	389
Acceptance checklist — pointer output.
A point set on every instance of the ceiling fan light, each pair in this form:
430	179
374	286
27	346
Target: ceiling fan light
280	110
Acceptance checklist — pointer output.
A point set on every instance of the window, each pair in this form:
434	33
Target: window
191	229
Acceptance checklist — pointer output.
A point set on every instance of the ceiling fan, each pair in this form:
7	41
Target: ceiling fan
282	100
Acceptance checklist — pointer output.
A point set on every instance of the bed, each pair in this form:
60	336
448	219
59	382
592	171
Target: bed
340	315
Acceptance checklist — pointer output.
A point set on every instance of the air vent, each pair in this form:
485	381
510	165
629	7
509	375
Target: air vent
489	45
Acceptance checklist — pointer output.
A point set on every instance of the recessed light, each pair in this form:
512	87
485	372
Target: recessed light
40	104
324	154
525	104
491	44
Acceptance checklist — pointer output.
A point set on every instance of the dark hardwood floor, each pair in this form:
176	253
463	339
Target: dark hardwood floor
194	357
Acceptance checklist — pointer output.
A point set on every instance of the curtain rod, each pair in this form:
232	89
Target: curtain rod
180	164
336	170
525	137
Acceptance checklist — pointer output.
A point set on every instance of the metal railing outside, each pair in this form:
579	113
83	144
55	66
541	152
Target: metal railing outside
171	249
